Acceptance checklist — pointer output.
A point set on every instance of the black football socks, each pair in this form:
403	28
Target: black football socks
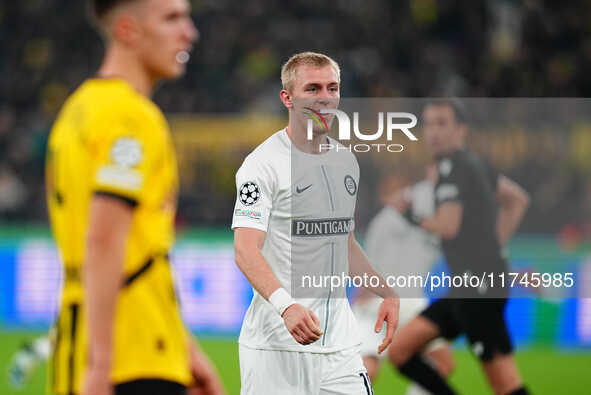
426	376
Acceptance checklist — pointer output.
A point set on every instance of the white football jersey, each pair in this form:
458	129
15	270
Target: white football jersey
397	248
305	203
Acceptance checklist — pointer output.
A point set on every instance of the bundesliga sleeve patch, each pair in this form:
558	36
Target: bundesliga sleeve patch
126	152
249	193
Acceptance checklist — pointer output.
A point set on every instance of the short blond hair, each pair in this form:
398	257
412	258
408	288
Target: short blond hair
288	71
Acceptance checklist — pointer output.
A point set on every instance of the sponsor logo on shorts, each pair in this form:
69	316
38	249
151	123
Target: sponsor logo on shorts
321	227
478	349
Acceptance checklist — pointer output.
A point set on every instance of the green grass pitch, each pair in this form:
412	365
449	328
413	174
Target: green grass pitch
545	370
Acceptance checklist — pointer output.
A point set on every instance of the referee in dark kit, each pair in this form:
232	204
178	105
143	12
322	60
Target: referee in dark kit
477	212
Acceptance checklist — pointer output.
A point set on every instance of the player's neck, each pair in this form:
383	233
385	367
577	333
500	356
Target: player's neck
452	150
120	63
298	137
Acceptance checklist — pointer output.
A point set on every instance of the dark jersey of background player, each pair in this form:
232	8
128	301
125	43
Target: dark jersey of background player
477	212
469	180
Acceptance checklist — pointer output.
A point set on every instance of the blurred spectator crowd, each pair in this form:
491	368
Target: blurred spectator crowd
411	48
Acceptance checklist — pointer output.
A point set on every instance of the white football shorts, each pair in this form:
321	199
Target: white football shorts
367	314
272	372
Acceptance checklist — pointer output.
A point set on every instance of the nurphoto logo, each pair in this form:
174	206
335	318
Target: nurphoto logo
344	134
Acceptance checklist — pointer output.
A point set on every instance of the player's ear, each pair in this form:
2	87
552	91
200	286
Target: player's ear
125	29
286	98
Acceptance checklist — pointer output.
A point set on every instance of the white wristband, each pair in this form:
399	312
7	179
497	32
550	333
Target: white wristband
281	300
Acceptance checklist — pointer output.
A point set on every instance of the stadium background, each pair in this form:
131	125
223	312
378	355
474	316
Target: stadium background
228	103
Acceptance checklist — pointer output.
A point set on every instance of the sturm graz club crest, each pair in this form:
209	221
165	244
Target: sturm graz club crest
350	185
249	193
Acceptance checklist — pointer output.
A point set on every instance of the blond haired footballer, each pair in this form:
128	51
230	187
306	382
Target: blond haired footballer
310	344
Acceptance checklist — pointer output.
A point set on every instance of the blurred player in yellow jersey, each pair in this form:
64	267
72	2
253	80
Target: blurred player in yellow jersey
112	192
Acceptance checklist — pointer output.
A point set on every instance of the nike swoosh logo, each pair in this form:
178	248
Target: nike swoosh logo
300	190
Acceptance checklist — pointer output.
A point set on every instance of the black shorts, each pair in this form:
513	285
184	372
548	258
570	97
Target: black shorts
150	387
481	320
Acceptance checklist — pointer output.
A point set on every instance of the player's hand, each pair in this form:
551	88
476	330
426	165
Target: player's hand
205	376
399	201
302	323
97	381
388	312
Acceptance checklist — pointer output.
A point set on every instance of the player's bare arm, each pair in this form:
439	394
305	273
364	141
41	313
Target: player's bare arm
359	265
513	203
248	243
445	223
301	322
205	377
109	223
